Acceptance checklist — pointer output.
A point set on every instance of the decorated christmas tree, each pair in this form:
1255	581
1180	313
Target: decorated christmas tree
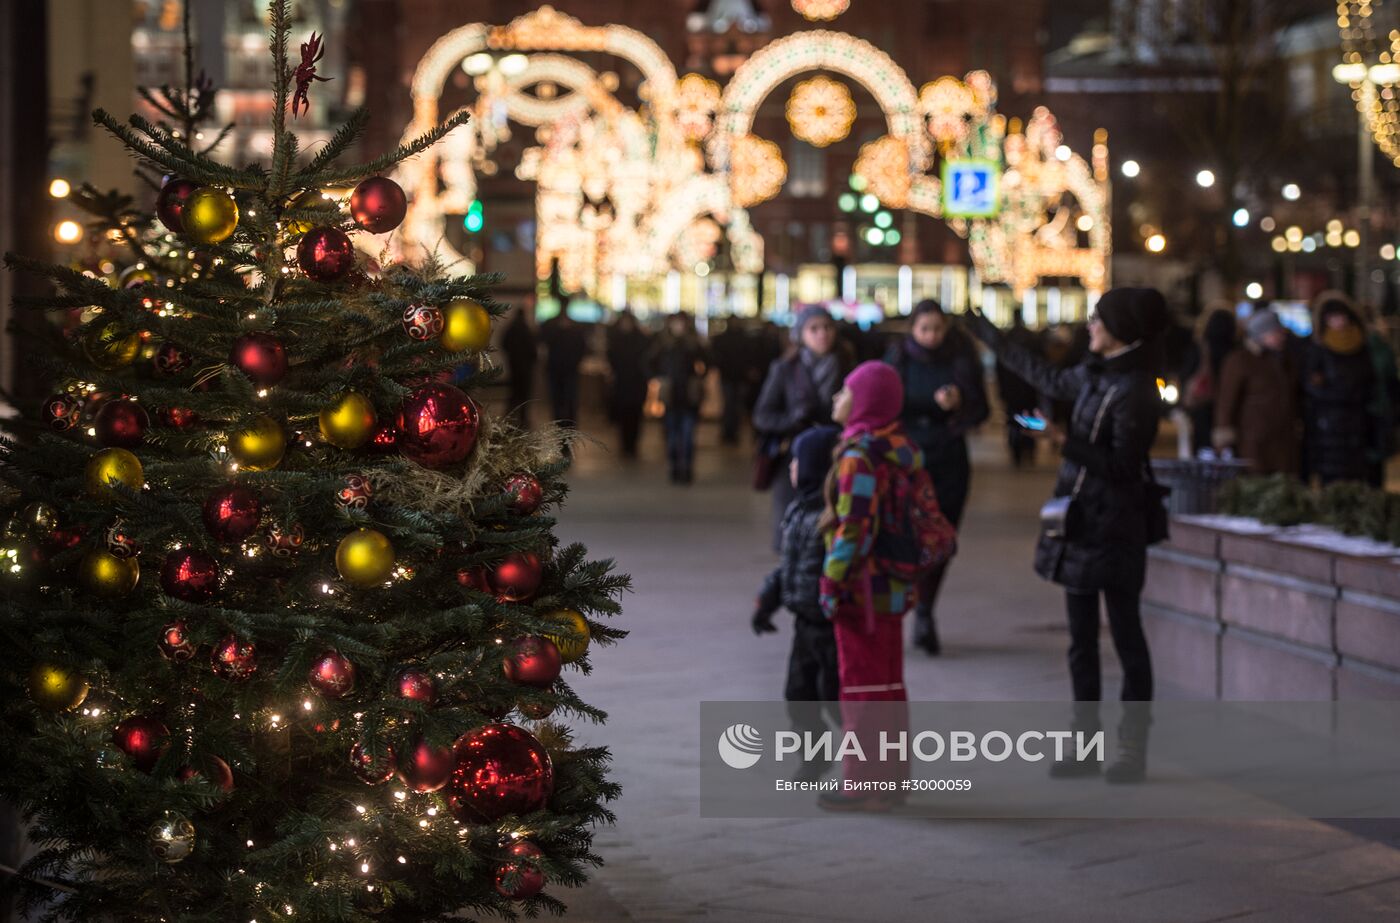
288	631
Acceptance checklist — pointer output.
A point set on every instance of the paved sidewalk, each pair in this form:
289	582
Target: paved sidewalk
697	555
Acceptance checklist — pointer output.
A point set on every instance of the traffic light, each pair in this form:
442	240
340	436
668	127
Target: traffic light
474	220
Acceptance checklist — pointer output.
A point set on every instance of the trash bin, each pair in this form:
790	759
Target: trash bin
1195	483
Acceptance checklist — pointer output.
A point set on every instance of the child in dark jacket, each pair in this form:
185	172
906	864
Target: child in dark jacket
794	584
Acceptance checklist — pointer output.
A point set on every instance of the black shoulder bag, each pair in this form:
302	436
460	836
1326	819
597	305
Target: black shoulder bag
1059	516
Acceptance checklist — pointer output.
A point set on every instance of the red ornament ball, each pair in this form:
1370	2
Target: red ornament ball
175	643
179	417
422	321
517	577
220	773
190	575
474	578
233	658
425	768
356	493
371	769
417	685
536	711
437	426
378	204
533	661
499	769
170	359
523	870
333	675
283	541
231	513
525	493
143	739
170	203
119	542
325	254
61	412
260	356
121	424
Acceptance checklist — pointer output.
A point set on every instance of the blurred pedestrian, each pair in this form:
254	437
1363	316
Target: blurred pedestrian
730	348
1217	334
1017	395
796	395
1339	382
521	348
795	585
1256	408
679	359
944	397
1385	404
566	345
628	346
1106	511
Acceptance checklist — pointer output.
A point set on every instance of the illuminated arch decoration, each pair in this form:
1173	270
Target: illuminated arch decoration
633	192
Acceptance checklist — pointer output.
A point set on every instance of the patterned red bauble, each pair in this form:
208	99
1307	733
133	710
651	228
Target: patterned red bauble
233	658
143	739
425	768
422	321
175	642
231	513
523	870
437	426
384	439
190	575
170	359
121	424
260	356
220	773
170	203
533	661
372	770
119	542
179	417
525	493
325	254
333	675
499	769
378	205
474	578
417	685
284	541
61	412
517	577
356	493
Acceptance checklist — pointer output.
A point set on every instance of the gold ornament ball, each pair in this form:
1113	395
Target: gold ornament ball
210	215
572	635
55	688
466	326
365	558
308	199
105	574
110	346
349	421
113	466
171	838
259	445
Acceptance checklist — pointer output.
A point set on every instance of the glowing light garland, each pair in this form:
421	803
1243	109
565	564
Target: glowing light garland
1361	46
697	98
820	111
820	10
756	170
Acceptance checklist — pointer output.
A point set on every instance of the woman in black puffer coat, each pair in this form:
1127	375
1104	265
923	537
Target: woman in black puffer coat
1112	426
1339	381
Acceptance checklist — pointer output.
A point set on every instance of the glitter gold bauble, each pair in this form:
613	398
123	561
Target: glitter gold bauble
259	445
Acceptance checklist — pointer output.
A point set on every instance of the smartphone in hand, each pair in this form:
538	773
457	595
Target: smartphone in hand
1037	424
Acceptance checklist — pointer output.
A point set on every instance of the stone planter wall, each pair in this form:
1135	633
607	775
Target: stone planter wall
1235	612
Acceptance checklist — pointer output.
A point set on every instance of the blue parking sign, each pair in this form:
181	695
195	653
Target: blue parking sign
971	188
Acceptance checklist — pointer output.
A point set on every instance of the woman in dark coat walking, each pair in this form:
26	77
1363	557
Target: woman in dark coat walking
1101	550
797	395
944	397
1339	382
681	361
627	359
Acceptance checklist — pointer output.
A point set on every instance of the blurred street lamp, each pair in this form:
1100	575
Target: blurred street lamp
1205	179
1291	192
1254	290
1241	218
68	231
59	188
1356	74
1156	243
1130	168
